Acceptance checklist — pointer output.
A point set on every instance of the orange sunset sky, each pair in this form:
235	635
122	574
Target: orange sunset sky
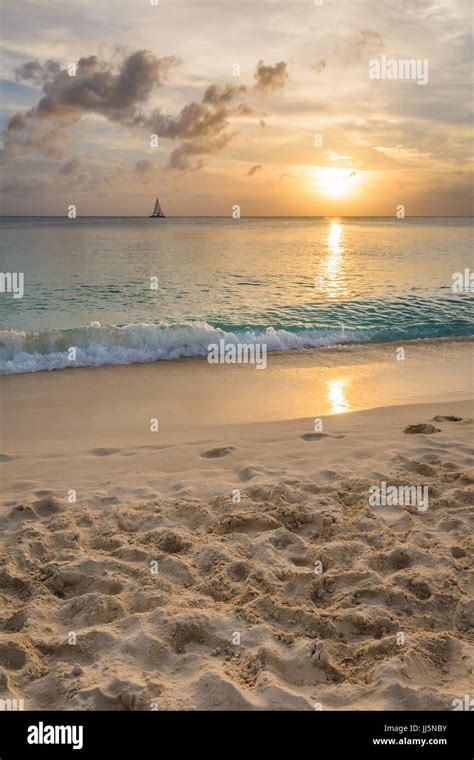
267	105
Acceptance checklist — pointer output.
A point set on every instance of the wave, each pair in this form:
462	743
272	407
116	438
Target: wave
97	345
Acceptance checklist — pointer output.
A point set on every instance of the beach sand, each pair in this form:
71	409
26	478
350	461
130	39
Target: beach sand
232	559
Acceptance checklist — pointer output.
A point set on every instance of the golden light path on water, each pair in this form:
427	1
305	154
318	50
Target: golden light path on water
334	238
333	266
333	283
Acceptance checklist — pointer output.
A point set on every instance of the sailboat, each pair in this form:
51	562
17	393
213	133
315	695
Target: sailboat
157	211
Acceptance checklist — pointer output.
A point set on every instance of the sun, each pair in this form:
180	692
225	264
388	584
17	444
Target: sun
334	182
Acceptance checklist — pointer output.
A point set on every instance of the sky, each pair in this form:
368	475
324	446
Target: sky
267	105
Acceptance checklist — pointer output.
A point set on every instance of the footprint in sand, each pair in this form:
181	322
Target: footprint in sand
18	514
7	458
12	655
103	452
217	453
247	473
319	436
238	571
422	427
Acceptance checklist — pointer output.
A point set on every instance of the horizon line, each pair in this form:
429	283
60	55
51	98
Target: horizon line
246	216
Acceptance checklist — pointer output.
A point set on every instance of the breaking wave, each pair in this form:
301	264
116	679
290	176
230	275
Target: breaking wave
97	345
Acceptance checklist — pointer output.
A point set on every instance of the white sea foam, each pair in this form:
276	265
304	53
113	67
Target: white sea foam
98	345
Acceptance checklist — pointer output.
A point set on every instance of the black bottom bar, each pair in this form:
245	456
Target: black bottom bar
374	734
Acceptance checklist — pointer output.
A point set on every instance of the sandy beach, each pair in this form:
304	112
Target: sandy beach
232	559
236	376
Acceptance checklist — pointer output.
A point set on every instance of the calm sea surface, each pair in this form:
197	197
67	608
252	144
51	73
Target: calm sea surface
291	282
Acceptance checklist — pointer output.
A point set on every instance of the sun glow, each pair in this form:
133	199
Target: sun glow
335	182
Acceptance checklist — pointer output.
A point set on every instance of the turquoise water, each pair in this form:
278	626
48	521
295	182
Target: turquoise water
291	282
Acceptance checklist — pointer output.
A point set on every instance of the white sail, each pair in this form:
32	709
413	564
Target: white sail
157	211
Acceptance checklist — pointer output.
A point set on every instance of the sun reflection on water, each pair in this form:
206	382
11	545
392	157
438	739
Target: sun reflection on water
337	388
334	238
333	269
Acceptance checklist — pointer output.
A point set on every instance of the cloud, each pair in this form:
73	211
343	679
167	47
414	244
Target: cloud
362	45
400	153
37	73
25	132
270	78
98	88
26	178
336	156
253	169
320	65
145	170
201	125
24	187
217	94
119	94
70	167
243	109
194	120
180	157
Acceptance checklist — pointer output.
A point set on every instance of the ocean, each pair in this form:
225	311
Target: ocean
126	290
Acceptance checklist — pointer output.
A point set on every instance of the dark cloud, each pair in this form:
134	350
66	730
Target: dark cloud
119	94
217	94
270	78
97	87
320	65
70	167
201	125
243	109
253	169
181	157
362	45
37	73
194	120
